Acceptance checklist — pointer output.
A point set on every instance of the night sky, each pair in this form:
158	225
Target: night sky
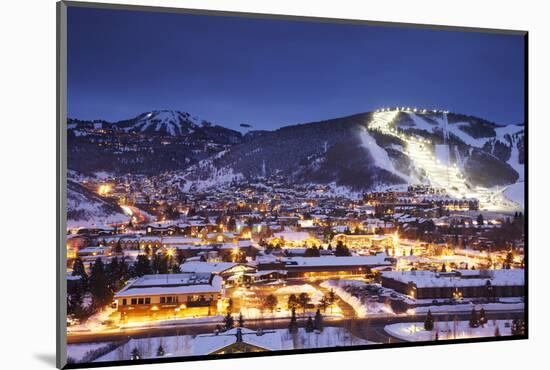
271	73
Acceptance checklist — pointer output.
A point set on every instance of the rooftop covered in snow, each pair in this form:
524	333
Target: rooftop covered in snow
375	260
185	283
458	278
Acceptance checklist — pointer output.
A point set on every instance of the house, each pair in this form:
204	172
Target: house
175	295
239	340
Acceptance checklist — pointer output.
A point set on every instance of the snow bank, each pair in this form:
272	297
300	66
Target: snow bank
358	306
468	308
278	339
414	332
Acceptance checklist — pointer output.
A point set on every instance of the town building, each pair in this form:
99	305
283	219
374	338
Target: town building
423	284
239	340
175	295
326	266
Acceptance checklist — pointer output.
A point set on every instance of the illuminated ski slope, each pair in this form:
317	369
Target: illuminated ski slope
436	173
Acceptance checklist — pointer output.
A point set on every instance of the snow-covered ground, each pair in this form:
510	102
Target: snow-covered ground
414	332
78	351
174	322
189	345
516	193
379	155
97	322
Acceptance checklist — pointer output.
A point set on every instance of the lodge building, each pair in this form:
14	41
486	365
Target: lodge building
170	294
326	266
424	284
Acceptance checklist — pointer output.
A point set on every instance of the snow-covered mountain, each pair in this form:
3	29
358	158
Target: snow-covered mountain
151	142
360	152
176	123
166	122
86	209
353	152
487	153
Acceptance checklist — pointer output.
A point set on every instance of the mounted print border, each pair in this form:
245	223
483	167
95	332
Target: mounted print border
260	231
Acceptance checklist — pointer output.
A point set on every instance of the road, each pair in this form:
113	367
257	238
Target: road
371	329
135	212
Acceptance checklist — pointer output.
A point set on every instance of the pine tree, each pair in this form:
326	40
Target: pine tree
293	325
324	303
429	322
75	296
160	351
318	321
474	320
123	270
241	320
482	316
79	269
111	272
309	325
228	321
142	266
332	296
99	287
341	250
229	305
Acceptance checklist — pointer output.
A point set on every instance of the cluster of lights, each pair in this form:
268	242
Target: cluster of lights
104	189
409	109
440	174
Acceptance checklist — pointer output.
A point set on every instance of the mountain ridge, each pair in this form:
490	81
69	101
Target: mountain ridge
345	151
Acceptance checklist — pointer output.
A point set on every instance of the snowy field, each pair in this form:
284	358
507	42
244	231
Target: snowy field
414	332
189	345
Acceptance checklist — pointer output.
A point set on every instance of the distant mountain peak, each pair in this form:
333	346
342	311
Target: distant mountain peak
165	122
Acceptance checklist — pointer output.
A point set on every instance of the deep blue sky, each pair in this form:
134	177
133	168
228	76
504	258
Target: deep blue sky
271	73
